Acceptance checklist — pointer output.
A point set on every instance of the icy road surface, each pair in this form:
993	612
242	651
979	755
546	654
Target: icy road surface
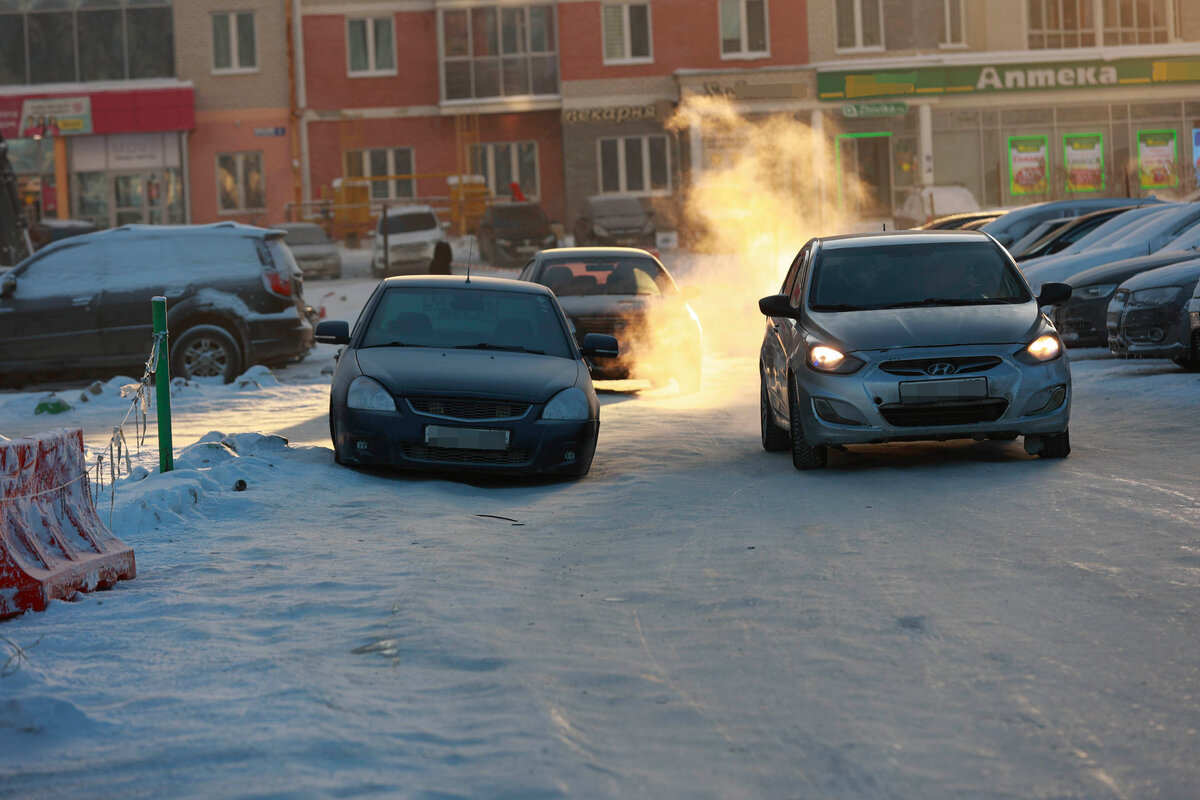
695	619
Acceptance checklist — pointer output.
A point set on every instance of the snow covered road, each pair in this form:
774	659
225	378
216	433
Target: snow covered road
695	619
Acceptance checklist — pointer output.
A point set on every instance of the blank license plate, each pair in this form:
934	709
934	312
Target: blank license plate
466	438
933	391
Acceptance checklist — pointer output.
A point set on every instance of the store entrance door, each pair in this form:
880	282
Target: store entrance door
137	198
865	174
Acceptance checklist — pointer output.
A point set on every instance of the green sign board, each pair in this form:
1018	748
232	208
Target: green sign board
1027	165
1083	161
983	78
1158	153
860	110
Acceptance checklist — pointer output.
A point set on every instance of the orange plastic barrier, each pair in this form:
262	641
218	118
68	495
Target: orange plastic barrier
52	542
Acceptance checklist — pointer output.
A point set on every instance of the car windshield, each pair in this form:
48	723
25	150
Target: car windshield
908	275
306	235
622	275
616	207
453	317
518	216
411	223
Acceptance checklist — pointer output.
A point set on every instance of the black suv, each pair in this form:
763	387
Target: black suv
82	305
509	233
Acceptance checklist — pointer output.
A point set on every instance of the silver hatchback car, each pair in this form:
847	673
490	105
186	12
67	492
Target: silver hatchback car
909	336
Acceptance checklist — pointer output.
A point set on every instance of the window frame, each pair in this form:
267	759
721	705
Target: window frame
950	43
373	70
1104	27
745	54
858	46
240	181
526	52
364	156
646	168
514	163
1095	30
235	60
626	30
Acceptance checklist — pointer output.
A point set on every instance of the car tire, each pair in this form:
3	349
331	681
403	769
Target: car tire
206	351
774	438
1056	445
804	455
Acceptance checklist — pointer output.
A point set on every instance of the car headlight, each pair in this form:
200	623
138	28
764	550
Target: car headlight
823	358
504	242
1093	292
568	404
1046	347
599	230
368	395
1155	296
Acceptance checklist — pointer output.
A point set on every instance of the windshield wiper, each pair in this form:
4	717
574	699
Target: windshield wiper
512	348
393	344
840	307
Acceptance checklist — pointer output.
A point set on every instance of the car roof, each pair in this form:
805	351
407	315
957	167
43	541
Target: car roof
584	252
462	282
410	209
161	231
912	236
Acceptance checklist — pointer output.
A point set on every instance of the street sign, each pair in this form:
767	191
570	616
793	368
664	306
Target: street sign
857	110
280	131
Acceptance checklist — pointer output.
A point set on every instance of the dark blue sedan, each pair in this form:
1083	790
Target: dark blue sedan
478	374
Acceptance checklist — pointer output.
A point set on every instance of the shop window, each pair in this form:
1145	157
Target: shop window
859	24
626	29
151	42
743	28
1056	24
381	161
370	46
241	185
503	163
102	51
1135	21
498	52
12	49
234	47
51	47
634	165
952	27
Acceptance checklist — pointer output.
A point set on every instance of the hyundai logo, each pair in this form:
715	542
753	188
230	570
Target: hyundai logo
941	368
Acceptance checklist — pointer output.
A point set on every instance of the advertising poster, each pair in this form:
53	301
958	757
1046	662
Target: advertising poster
1083	160
1027	165
1157	152
1196	152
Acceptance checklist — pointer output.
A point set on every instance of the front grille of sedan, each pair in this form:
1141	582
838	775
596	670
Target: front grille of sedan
458	455
961	364
465	409
959	412
619	325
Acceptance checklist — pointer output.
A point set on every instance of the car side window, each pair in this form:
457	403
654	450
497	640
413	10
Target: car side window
75	270
526	271
794	282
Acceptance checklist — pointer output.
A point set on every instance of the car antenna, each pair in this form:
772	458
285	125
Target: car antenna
470	255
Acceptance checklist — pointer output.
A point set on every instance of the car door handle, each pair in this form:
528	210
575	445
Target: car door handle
85	300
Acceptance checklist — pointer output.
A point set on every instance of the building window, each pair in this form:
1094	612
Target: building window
626	32
371	46
105	40
379	162
240	182
634	165
234	47
859	24
507	51
743	28
1140	22
952	34
1061	23
505	163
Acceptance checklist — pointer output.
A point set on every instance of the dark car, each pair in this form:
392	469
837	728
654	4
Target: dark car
1149	316
618	220
905	336
234	298
1020	221
957	221
316	255
480	374
48	230
628	293
1060	237
509	233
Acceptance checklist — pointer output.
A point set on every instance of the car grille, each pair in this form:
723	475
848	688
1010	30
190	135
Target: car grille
458	455
456	408
959	412
613	325
961	364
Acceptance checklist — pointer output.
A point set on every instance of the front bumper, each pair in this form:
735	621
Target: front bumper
321	267
1163	331
866	406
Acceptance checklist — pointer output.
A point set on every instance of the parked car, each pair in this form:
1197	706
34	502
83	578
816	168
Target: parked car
509	233
1020	221
234	298
1149	315
629	293
1103	235
1056	238
480	374
958	221
906	336
926	203
50	229
412	233
315	253
615	220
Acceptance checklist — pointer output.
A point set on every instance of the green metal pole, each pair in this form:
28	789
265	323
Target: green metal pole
162	384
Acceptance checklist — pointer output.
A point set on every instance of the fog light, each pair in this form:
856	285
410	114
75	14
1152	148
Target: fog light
1157	334
360	445
569	455
1058	396
826	411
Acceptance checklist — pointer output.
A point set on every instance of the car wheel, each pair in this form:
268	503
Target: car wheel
1057	445
804	455
774	438
206	351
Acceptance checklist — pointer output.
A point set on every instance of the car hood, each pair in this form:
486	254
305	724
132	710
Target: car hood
412	237
1058	269
1127	268
595	305
937	326
621	221
309	252
522	231
431	371
1184	273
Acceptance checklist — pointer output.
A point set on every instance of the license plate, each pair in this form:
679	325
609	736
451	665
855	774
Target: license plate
951	389
466	438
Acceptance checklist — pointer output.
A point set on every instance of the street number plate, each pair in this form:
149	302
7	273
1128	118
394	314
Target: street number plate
950	389
466	438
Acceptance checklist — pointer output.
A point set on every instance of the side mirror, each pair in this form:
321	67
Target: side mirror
600	344
8	285
777	305
1053	293
333	331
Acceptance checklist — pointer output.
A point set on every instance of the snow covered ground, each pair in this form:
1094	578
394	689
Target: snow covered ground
695	619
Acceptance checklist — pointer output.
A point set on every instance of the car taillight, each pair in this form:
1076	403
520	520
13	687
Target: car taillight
278	283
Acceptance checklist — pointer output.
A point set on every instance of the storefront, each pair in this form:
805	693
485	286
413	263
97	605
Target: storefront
111	157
